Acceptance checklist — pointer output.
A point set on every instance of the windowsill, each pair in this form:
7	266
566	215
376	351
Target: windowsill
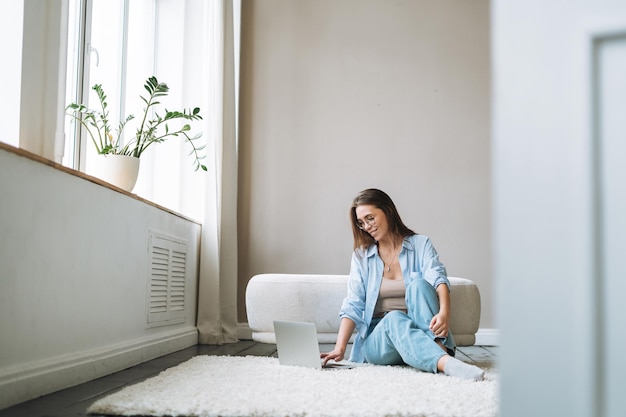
50	163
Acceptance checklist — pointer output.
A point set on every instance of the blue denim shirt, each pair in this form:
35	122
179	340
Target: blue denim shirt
418	259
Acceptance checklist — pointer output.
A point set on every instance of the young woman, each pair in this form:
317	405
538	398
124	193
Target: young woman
398	295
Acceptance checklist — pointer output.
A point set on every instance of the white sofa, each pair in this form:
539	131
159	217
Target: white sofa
318	298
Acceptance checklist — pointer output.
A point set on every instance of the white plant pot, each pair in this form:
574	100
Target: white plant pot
119	170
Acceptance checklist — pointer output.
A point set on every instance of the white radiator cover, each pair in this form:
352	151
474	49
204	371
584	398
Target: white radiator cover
74	278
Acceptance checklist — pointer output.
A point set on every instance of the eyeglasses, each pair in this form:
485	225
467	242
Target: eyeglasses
369	221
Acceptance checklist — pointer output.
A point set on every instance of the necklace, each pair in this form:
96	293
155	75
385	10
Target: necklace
388	268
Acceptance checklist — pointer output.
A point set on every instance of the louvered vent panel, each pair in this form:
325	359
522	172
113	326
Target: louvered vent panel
158	280
168	268
177	283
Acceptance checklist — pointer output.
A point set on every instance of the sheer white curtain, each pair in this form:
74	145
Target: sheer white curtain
191	45
217	300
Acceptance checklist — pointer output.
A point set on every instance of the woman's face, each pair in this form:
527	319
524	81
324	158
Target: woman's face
372	220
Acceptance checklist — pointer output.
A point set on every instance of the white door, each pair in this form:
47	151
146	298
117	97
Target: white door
559	191
610	94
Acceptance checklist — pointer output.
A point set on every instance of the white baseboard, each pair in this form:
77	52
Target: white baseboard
27	381
484	337
487	337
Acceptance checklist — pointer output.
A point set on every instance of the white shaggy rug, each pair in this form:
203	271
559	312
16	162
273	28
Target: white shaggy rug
222	386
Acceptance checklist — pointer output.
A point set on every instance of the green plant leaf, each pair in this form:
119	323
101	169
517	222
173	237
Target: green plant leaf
149	131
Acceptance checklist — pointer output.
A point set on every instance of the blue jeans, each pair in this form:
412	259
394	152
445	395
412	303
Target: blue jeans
405	338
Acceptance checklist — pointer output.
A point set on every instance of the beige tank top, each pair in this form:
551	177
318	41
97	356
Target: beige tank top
391	296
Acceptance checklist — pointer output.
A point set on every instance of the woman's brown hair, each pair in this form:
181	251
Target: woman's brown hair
381	200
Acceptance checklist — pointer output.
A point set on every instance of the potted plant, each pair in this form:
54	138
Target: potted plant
153	128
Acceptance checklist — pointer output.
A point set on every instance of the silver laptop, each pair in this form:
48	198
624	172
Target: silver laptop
297	345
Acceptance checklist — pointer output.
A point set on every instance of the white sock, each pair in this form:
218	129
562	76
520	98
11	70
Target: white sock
455	367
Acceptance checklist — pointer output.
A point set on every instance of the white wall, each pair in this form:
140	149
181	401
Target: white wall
74	280
342	95
559	201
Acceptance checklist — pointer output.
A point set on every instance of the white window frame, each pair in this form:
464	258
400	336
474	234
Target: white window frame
42	95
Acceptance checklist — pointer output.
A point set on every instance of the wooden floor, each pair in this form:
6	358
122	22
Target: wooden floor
72	402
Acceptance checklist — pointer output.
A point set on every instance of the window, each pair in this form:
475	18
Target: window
59	50
119	44
112	43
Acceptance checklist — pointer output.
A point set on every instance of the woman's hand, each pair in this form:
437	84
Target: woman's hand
335	355
439	325
345	331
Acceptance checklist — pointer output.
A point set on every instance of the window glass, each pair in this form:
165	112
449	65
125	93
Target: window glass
105	59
